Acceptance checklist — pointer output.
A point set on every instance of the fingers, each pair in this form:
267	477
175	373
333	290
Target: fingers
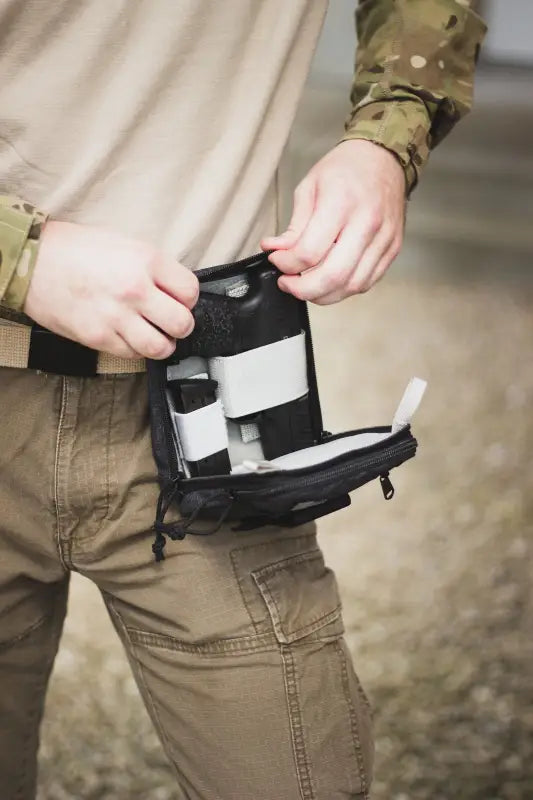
119	347
334	272
373	264
143	338
316	240
166	313
304	203
176	280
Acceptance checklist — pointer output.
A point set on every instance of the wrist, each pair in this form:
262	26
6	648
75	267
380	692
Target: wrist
402	130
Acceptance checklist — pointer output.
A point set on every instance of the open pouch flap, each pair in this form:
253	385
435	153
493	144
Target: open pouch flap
236	422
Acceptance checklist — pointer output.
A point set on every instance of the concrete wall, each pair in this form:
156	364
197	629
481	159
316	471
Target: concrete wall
336	49
510	36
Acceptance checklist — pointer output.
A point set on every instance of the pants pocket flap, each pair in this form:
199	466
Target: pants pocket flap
301	596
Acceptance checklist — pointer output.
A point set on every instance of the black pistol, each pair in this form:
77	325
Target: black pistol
225	326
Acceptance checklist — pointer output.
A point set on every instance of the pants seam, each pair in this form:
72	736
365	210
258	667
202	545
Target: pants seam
147	696
301	759
108	447
59	442
221	647
21	636
38	689
238	580
233	556
353	723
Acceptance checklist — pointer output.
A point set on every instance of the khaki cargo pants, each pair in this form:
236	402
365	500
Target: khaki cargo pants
235	640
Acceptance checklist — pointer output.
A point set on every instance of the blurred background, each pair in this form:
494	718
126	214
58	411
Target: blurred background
436	584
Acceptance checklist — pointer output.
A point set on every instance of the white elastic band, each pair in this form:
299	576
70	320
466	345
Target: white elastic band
412	397
261	378
202	432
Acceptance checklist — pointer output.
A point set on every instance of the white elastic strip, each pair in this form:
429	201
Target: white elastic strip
311	456
412	397
261	378
202	432
323	452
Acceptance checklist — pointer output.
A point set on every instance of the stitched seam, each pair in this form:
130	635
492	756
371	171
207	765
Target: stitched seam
241	590
19	638
353	722
309	627
277	566
388	76
38	690
233	557
59	442
223	647
301	760
108	447
148	698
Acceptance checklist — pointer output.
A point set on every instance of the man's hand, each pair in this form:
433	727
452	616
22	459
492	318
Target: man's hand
109	292
346	227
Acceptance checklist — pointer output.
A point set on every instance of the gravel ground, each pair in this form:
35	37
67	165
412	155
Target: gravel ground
435	584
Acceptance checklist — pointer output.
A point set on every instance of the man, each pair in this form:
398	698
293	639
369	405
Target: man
149	135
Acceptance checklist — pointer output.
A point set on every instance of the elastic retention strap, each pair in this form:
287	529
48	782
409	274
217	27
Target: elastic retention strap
179	530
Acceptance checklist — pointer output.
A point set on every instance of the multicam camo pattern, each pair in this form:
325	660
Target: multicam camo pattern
414	74
20	229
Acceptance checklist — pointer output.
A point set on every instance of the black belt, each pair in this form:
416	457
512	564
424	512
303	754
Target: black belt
52	353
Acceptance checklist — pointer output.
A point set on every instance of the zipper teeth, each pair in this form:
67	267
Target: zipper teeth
312	370
375	461
368	461
161	383
371	462
233	266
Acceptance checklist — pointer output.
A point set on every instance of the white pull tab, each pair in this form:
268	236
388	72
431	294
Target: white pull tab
253	466
412	397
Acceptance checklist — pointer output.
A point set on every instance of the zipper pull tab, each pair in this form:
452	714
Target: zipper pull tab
386	486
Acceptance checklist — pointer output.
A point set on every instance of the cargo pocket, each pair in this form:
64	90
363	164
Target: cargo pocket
330	720
301	596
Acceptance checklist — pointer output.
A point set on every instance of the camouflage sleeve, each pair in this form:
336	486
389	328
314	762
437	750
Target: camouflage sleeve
20	229
413	75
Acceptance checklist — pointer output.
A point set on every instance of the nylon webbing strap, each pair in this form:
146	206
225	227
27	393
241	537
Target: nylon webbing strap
261	378
15	348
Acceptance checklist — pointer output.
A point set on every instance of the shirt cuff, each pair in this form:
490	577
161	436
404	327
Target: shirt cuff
401	126
20	229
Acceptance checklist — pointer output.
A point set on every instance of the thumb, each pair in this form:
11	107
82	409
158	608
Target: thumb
304	203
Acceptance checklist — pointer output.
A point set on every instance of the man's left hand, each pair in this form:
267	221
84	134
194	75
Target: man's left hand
346	227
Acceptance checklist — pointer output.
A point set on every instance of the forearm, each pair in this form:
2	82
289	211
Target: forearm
20	230
413	75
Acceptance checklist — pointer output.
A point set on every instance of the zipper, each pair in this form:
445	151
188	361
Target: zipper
303	476
380	460
225	270
314	396
158	369
386	486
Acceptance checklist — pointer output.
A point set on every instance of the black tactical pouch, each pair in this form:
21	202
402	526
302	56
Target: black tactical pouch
236	421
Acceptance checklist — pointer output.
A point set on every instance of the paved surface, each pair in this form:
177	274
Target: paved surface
437	583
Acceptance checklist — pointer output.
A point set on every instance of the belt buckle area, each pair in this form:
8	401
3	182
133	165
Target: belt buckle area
52	353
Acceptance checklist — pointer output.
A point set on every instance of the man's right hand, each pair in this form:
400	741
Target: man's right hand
109	292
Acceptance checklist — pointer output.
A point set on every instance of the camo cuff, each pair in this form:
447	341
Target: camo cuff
20	230
401	126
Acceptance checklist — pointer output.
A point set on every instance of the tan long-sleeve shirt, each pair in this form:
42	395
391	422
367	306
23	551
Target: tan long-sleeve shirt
166	121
